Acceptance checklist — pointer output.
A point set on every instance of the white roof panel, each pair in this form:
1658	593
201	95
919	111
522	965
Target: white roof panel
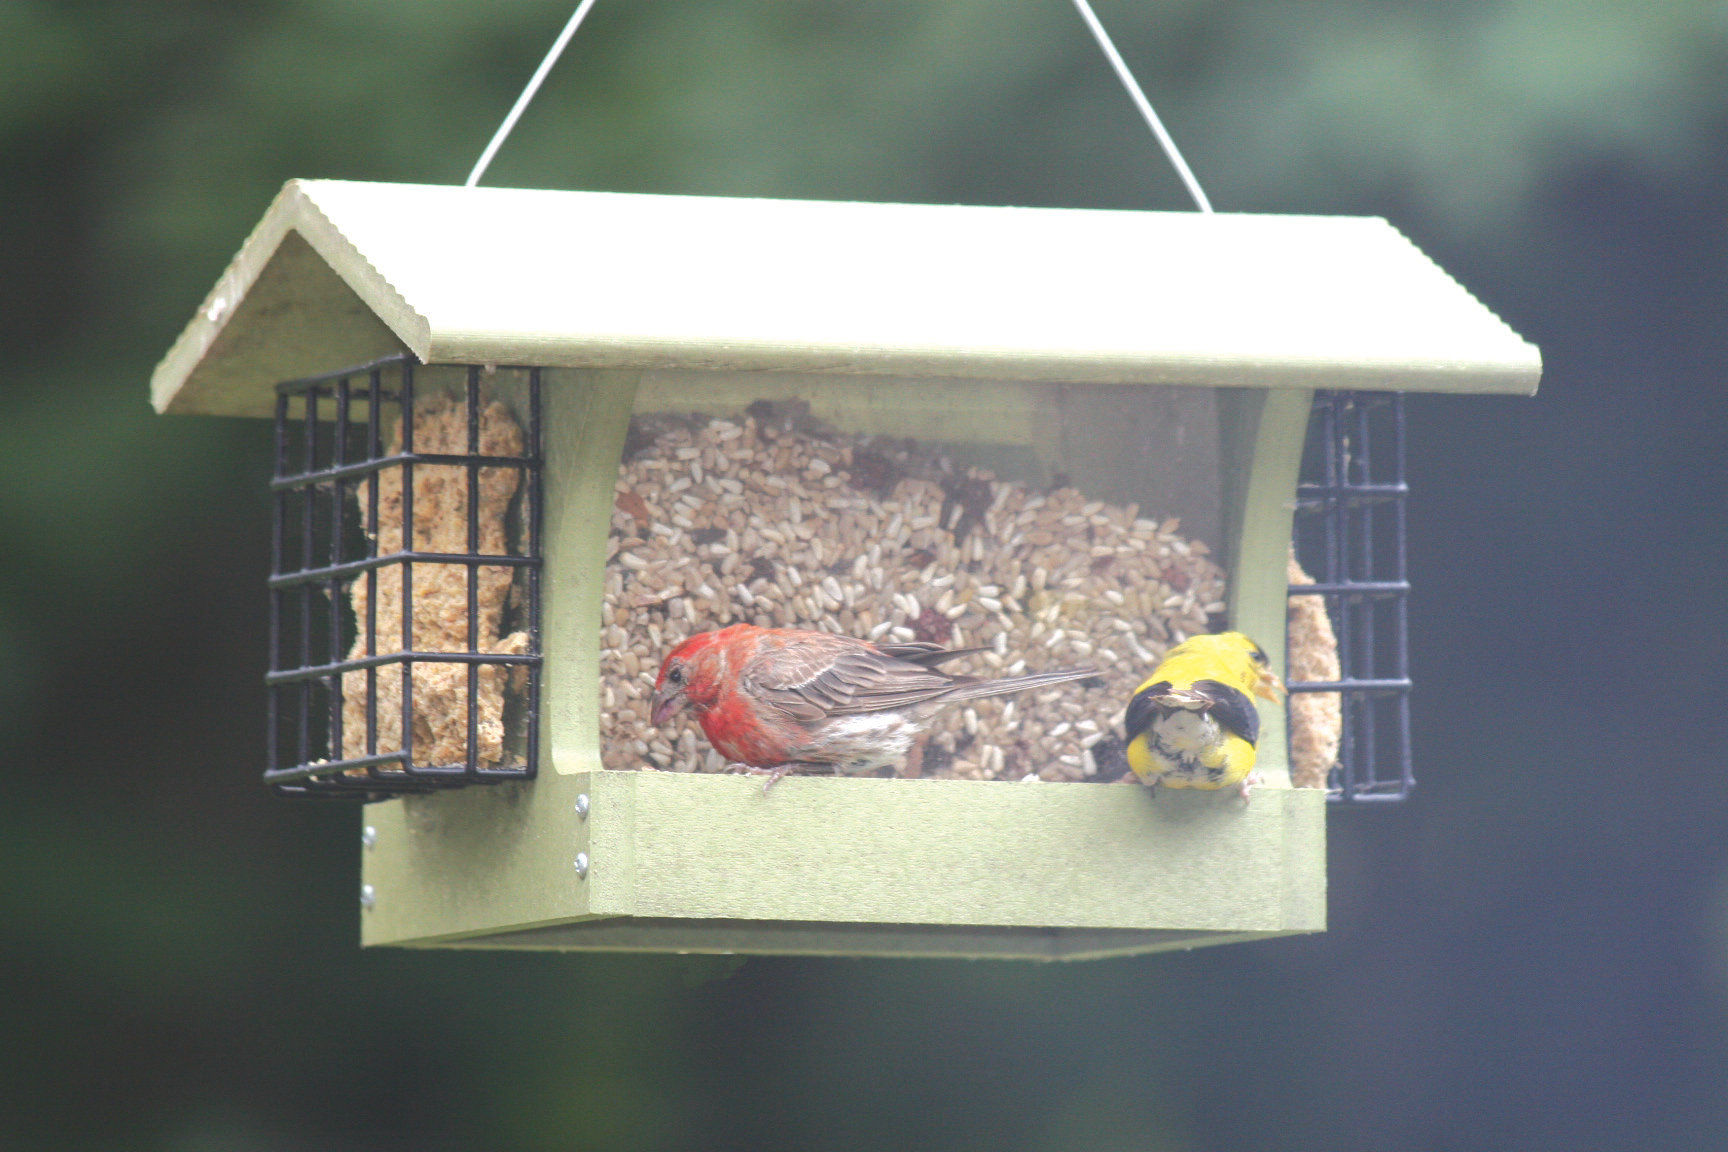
338	272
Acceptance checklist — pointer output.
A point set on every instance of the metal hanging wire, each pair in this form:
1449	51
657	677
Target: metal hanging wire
1096	26
523	100
1146	111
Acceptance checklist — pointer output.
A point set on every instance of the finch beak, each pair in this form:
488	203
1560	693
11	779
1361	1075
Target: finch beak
1270	688
667	704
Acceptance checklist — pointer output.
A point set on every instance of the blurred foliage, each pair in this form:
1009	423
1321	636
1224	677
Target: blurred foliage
1528	956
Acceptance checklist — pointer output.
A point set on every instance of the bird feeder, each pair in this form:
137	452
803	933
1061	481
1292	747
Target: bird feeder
529	440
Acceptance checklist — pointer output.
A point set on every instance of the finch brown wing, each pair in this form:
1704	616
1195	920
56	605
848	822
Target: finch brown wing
788	665
844	680
929	655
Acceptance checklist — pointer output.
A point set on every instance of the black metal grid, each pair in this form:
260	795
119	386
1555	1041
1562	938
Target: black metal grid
1350	536
330	438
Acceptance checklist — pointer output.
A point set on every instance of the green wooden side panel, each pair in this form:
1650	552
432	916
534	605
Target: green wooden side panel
473	861
863	857
951	852
587	416
1263	431
482	858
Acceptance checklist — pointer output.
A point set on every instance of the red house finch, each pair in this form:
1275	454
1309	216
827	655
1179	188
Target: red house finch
782	699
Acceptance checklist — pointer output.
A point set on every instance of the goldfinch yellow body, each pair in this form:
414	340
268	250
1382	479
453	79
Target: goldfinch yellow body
1192	724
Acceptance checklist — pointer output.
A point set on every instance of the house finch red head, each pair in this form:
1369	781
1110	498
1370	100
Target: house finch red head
783	699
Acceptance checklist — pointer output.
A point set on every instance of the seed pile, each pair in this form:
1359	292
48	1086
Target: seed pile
774	520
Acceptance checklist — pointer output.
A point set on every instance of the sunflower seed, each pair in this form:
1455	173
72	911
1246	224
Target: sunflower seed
803	548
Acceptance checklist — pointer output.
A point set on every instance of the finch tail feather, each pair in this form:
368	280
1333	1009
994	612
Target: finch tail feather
984	688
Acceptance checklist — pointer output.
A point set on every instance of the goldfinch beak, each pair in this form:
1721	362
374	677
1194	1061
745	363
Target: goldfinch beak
1270	688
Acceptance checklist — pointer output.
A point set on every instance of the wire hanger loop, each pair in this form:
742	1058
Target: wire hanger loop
1093	24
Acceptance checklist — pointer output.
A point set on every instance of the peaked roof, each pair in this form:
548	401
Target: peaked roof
339	272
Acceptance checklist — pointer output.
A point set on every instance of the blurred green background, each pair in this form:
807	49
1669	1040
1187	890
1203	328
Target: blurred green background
1532	954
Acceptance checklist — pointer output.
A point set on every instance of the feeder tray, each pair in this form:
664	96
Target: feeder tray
811	414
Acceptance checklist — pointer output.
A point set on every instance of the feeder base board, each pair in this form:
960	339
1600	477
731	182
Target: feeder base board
657	861
909	941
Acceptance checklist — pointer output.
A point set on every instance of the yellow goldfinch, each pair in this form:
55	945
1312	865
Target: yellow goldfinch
1192	724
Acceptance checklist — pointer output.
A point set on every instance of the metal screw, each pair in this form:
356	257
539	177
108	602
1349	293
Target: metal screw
582	805
369	836
582	865
368	896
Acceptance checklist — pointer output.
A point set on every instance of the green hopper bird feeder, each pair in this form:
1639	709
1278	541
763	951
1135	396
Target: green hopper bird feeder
528	440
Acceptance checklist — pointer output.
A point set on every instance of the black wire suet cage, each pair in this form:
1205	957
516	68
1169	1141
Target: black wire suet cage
1350	537
405	580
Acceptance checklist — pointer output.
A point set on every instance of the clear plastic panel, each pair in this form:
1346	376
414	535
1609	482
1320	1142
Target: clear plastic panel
1055	526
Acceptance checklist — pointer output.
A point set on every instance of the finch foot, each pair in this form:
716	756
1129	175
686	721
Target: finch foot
775	773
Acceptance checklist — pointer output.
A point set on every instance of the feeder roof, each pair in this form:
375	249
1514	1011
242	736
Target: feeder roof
339	272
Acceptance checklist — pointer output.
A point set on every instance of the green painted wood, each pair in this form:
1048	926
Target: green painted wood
482	858
711	863
276	304
1263	431
602	280
587	416
297	300
907	941
957	852
1303	871
473	861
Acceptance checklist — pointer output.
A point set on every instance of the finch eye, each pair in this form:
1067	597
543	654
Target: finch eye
675	676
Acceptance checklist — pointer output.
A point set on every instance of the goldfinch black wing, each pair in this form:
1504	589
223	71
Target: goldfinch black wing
1229	706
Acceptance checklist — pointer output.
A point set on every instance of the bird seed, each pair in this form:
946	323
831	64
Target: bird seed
795	528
